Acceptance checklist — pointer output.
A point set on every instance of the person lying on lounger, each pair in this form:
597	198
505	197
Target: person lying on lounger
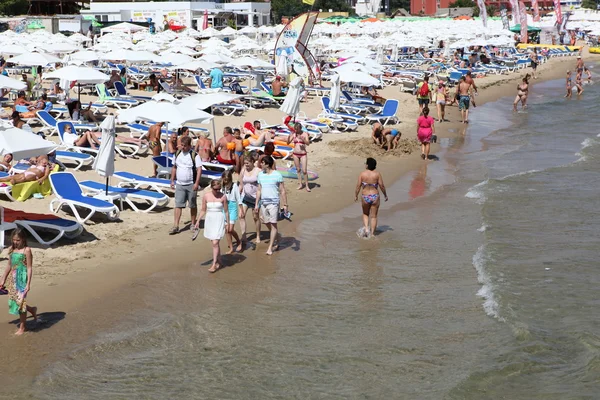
6	161
38	172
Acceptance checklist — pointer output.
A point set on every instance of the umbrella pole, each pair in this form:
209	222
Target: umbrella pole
106	189
214	131
79	93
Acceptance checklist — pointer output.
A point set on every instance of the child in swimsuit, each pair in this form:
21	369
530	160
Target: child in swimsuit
239	150
569	85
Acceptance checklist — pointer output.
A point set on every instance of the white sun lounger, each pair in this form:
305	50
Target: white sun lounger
132	148
128	195
67	192
4	226
81	159
139	181
49	124
62	227
104	98
6	190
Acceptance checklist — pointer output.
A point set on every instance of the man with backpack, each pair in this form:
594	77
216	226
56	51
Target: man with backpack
188	171
423	93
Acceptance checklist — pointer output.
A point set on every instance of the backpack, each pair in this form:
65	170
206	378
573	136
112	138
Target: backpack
236	88
424	90
193	154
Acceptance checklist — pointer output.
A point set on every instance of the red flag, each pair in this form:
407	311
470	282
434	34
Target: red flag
536	10
523	22
205	20
558	12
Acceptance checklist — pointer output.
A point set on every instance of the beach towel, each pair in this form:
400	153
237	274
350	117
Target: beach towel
18	215
23	191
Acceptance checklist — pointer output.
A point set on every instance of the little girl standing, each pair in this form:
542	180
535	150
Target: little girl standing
232	191
19	267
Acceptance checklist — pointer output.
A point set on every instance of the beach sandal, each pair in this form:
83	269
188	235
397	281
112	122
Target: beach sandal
174	230
195	233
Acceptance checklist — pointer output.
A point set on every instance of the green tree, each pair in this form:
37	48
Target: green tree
463	4
591	4
398	4
14	7
292	8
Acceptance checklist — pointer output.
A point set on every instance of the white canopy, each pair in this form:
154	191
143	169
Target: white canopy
31	59
253	62
10	83
123	27
22	144
79	74
175	114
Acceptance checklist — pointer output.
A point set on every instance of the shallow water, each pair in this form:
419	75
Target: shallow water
481	284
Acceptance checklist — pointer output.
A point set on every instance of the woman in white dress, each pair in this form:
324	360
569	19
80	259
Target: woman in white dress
214	207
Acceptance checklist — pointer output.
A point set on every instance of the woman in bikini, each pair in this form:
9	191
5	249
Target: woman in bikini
38	172
204	147
370	182
299	154
522	92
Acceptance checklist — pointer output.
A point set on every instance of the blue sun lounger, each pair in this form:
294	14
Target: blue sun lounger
328	111
388	114
67	192
49	124
128	195
60	226
139	181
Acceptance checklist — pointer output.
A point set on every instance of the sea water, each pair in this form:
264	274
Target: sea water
481	284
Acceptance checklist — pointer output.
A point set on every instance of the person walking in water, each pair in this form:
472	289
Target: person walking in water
214	207
522	92
425	131
464	91
270	192
19	272
569	85
579	82
370	182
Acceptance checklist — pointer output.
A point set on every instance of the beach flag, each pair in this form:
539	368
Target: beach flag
514	6
536	10
558	12
523	12
311	2
482	11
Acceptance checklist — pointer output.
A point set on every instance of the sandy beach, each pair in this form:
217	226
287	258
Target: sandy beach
91	277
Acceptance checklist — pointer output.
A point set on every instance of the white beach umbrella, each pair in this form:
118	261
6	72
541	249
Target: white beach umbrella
228	31
129	55
291	104
196	65
174	58
175	114
209	32
162	96
31	59
251	62
79	74
13	84
204	101
12	49
248	30
58	48
22	144
216	58
84	56
358	77
104	164
335	95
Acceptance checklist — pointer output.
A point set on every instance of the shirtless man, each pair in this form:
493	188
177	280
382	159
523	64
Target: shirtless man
6	162
225	155
154	134
469	79
262	135
464	97
277	87
580	65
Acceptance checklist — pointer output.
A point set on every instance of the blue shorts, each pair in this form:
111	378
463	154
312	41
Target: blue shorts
394	132
463	102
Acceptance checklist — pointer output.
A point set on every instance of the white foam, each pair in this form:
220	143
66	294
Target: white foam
476	192
587	143
483	228
531	171
490	305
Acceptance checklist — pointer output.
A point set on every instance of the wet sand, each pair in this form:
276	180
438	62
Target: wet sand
102	282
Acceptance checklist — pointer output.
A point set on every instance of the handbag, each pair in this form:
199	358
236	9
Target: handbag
248	200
